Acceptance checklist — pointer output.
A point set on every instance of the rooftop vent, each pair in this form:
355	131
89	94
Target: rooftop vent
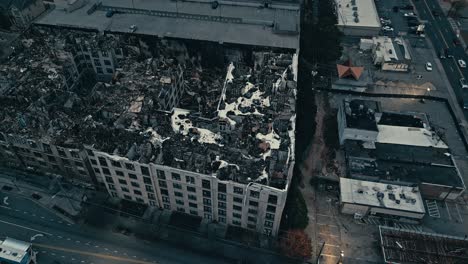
360	191
356	19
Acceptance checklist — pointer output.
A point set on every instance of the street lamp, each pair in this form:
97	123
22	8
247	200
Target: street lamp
428	90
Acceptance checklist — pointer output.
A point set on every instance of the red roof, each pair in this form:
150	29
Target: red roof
346	71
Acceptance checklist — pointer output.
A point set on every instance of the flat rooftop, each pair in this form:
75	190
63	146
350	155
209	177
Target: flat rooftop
405	246
236	122
382	195
14	250
413	136
360	114
357	13
235	22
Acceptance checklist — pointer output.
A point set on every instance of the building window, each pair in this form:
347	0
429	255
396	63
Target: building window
132	176
271	208
151	196
237	207
93	161
251	226
192	197
222	212
152	203
207	216
107	62
62	153
111	187
109	70
236	222
104	54
123	181
138	199
162	183
161	174
178	194
206	193
146	180
237	199
102	161
113	194
270	216
137	192
96	170
177	185
221	187
267	231
149	188
74	154
128	197
97	62
106	171
252	219
222	219
129	166
90	152
222	205
268	224
191	189
144	170
119	173
179	202
221	196
253	203
193	212
252	211
99	70
193	205
206	184
181	209
254	194
109	179
125	189
273	199
135	184
166	206
165	199
238	190
176	176
164	192
190	179
236	215
206	201
207	209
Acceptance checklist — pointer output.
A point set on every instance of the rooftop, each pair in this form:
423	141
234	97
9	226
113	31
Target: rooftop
405	246
416	120
236	22
391	49
360	114
13	250
234	122
357	13
381	195
409	136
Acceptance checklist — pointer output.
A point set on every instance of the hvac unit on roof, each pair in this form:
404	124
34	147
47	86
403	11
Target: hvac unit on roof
355	14
356	19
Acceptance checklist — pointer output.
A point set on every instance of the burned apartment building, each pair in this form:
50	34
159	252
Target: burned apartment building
397	148
163	130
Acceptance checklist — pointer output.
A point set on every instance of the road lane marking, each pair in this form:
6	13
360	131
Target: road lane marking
330	245
323	234
324	215
327	225
6	207
85	253
24	227
330	256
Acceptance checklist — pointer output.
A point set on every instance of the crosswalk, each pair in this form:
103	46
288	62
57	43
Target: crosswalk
433	208
372	220
453	24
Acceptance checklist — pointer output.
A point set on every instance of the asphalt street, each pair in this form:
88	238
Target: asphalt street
59	242
440	33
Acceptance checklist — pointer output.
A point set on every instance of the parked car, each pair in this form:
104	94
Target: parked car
463	83
407	7
442	54
456	42
428	66
385	21
448	54
465	98
435	13
462	63
411	14
387	28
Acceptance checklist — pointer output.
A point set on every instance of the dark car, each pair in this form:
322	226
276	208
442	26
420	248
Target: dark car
407	7
413	23
435	13
456	42
396	9
448	54
109	13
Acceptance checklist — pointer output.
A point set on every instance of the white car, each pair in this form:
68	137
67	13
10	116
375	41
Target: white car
411	14
462	63
428	66
387	28
132	28
463	83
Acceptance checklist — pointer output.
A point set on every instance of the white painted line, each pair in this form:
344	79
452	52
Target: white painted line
458	211
330	245
36	236
5	201
6	207
323	234
325	215
448	211
327	225
330	256
24	227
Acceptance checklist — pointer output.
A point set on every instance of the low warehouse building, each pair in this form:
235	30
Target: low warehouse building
364	197
357	17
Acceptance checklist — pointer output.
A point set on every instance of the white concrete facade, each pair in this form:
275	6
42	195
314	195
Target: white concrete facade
253	206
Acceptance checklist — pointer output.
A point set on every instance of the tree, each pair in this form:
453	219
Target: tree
296	244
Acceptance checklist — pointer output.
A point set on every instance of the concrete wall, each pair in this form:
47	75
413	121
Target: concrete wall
386	211
359	31
251	206
347	208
